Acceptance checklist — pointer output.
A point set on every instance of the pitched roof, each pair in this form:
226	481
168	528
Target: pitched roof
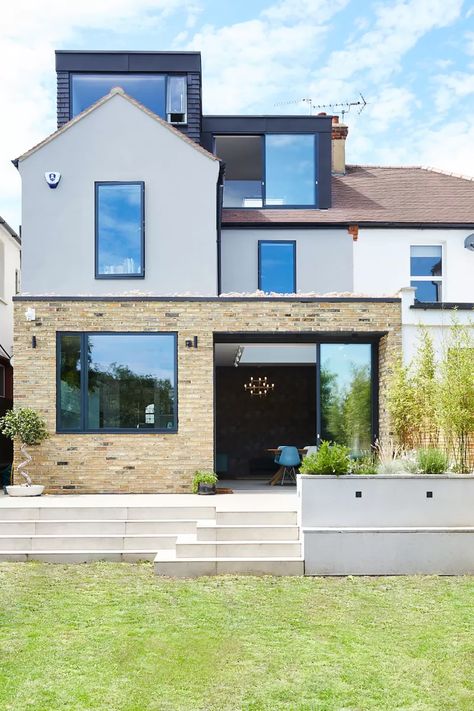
10	230
113	92
379	195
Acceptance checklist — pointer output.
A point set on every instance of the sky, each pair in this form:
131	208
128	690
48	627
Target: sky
412	60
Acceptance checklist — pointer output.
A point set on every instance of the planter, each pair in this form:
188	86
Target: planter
206	489
25	490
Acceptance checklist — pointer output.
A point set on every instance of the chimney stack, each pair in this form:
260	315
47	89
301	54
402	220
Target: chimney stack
339	135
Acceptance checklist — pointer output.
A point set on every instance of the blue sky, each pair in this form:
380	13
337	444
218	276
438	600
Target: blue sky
413	60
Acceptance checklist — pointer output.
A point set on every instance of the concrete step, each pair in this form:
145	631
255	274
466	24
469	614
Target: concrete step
84	543
79	556
91	527
236	549
241	518
106	513
166	564
252	532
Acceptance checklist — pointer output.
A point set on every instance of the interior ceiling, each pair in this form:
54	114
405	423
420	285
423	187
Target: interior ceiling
242	156
265	354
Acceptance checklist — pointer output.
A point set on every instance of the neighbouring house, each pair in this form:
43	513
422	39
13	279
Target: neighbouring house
201	289
9	287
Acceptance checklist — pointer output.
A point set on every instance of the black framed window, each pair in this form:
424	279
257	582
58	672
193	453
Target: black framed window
119	230
165	95
346	394
277	267
116	382
272	170
426	272
2	381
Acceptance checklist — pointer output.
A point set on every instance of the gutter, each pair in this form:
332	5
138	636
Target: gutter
219	203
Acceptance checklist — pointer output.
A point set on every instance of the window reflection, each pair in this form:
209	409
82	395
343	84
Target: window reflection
346	395
119	211
69	415
131	382
148	89
290	170
243	160
277	267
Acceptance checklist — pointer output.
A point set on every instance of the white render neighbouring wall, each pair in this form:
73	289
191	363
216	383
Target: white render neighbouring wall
118	141
382	261
323	259
9	264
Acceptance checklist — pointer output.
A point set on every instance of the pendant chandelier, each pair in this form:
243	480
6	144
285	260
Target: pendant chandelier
259	386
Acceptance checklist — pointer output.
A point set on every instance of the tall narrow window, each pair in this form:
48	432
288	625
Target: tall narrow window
277	267
2	381
290	172
346	395
117	382
119	230
243	158
426	271
176	100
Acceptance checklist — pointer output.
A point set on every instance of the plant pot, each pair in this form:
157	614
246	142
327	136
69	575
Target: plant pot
25	490
206	489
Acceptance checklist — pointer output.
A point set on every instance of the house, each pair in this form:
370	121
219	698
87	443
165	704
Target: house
9	286
201	289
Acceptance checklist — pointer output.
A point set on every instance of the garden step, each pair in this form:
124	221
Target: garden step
165	564
269	517
236	549
78	556
249	532
120	513
90	527
82	542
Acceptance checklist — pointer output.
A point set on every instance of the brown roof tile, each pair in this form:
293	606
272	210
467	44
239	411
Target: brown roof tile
378	194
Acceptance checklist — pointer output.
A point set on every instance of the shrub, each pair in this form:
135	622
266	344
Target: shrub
25	425
329	459
364	465
203	477
432	461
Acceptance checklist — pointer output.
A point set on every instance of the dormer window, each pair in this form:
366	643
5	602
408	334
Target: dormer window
274	170
163	94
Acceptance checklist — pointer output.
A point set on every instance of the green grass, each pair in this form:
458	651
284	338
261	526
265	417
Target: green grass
115	637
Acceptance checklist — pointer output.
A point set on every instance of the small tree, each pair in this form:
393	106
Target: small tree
26	427
403	405
426	386
456	397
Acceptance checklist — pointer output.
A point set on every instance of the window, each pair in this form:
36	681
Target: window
277	267
274	170
346	394
426	270
290	170
116	382
119	230
162	94
17	281
2	380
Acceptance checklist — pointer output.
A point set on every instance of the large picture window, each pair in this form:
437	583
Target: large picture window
116	382
119	230
346	394
277	267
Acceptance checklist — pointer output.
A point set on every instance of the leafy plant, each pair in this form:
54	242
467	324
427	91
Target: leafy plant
391	457
329	459
432	461
26	426
364	465
204	477
402	404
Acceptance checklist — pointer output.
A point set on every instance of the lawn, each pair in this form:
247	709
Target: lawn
115	637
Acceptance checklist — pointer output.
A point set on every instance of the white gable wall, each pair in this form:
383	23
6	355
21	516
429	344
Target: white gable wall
9	264
119	142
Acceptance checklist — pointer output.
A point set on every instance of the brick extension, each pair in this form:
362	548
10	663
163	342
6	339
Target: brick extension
94	463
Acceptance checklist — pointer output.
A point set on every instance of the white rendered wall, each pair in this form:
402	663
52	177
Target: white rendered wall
9	264
382	261
119	142
323	259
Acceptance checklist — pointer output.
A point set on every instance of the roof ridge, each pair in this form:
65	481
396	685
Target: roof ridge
428	168
116	90
451	174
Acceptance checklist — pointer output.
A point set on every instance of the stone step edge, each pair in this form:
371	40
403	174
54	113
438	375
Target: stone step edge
102	520
388	529
226	559
69	536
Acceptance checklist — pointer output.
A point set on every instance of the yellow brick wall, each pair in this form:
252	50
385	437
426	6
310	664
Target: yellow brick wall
96	463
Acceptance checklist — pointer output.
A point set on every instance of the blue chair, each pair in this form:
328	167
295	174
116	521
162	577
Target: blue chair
277	456
289	459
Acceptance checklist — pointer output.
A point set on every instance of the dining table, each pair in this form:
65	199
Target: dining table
276	478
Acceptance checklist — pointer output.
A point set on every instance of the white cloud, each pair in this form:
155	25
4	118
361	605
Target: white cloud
451	88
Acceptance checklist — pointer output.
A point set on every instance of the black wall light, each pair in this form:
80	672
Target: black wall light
33	341
192	343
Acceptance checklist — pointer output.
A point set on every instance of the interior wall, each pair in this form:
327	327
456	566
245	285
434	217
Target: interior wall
247	425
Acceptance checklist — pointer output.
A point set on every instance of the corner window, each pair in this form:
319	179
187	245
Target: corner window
164	95
273	170
277	267
119	230
116	382
426	272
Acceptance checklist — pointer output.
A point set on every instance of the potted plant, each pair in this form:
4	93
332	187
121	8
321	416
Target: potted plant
26	428
204	483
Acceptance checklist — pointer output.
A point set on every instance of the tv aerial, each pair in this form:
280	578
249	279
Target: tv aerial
341	107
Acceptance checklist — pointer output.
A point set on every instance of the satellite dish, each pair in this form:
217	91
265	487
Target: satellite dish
469	243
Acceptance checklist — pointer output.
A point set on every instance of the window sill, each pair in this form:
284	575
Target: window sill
117	432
